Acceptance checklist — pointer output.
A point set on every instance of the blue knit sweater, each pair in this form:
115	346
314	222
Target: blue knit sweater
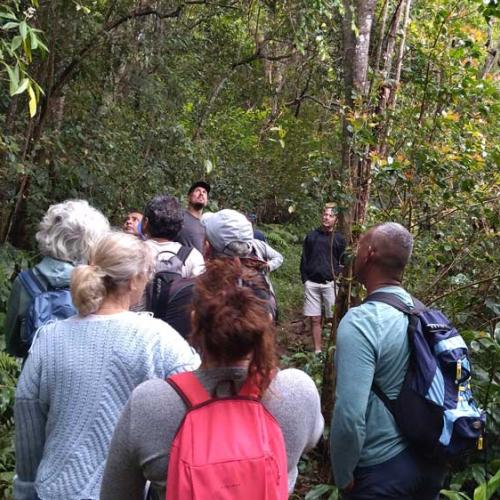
75	382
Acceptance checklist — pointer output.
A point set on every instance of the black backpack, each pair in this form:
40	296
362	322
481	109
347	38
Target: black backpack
167	271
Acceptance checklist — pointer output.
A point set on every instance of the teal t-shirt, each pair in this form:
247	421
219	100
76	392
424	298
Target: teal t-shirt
372	345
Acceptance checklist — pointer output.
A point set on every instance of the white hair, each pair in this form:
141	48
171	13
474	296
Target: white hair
69	230
115	260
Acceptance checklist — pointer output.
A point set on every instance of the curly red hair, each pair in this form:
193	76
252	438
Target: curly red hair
232	320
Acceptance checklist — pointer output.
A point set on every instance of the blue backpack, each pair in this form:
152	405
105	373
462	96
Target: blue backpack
435	409
47	304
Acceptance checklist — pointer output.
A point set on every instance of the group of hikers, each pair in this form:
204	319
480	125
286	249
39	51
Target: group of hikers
163	378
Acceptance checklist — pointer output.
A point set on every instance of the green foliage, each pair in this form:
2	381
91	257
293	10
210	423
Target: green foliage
323	491
485	490
11	262
286	279
9	372
251	97
19	40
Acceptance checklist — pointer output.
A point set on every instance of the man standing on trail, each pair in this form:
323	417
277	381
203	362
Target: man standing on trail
320	266
370	457
192	233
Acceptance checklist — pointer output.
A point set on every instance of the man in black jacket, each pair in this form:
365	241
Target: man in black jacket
320	266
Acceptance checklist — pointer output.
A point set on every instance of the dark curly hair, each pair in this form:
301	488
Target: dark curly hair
165	217
231	320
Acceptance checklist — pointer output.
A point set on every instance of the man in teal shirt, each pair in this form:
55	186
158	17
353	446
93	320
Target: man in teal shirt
370	457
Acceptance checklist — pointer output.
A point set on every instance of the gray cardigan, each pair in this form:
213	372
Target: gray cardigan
140	447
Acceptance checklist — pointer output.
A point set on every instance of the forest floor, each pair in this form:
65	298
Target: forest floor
295	349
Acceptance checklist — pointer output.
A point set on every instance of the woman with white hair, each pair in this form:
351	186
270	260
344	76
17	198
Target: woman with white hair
66	234
81	371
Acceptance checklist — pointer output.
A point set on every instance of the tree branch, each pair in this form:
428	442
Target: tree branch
68	70
463	287
259	55
440	212
333	106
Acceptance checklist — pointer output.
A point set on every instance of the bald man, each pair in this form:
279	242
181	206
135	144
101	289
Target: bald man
370	457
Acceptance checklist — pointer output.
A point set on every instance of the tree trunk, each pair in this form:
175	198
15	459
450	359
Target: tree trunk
356	27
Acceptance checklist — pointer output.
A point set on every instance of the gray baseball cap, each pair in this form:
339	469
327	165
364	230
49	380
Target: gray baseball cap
225	227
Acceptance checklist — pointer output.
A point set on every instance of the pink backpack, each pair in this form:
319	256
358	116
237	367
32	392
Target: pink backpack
226	448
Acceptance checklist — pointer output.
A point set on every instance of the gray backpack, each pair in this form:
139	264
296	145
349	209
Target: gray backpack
166	272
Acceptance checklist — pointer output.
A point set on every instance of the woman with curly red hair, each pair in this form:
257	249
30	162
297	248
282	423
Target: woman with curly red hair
234	333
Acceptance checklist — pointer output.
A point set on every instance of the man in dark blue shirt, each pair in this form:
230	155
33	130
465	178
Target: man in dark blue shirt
320	266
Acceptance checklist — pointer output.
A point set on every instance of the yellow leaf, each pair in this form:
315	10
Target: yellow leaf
452	116
32	103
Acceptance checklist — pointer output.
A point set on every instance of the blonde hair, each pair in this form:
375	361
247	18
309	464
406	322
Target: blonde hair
116	259
69	230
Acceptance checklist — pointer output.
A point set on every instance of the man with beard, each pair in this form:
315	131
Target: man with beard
192	233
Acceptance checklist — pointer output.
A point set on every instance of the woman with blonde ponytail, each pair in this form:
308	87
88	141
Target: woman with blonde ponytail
81	371
234	331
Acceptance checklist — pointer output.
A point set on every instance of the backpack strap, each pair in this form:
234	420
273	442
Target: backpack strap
393	300
183	253
177	287
158	259
31	283
189	388
383	397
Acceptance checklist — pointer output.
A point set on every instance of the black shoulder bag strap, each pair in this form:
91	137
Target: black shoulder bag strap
393	300
183	253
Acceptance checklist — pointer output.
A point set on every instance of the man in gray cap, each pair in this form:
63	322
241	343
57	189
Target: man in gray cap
192	233
229	233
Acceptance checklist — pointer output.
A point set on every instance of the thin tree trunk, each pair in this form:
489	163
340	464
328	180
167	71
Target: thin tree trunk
391	40
393	89
493	52
381	37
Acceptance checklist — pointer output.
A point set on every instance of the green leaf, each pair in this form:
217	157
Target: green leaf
478	473
15	43
27	50
454	495
8	15
13	78
23	29
318	491
22	86
493	306
33	40
486	490
10	25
